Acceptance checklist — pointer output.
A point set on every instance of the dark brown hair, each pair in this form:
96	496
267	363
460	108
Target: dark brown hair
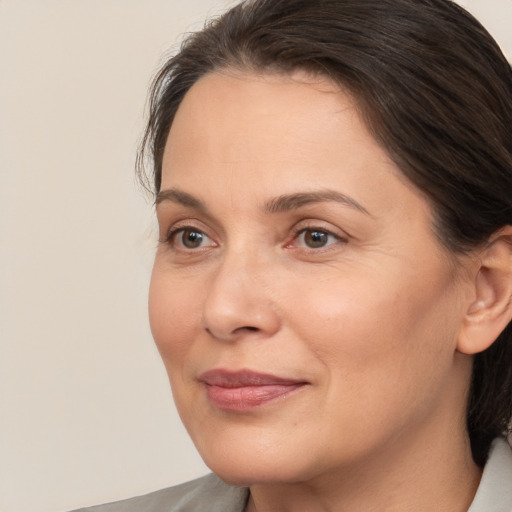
435	91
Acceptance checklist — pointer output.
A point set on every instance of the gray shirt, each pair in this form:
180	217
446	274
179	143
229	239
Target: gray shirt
210	494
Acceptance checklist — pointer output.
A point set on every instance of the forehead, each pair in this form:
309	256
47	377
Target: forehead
274	134
231	109
267	119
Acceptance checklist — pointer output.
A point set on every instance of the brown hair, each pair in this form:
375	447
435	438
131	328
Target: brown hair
435	91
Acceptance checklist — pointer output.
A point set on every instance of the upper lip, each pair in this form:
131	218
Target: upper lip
241	378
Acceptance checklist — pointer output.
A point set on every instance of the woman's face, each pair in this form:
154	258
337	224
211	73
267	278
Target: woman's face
306	313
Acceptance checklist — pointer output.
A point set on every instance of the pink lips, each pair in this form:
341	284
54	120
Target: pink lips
245	390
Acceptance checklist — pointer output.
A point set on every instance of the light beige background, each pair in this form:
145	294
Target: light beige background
85	410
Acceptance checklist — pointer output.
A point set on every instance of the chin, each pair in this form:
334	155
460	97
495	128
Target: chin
251	473
246	465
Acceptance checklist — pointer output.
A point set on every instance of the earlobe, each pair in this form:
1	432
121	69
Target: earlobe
490	309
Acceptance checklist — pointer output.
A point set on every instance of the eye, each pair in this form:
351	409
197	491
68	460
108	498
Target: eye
190	238
313	238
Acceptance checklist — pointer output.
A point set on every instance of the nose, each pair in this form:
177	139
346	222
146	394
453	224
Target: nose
239	300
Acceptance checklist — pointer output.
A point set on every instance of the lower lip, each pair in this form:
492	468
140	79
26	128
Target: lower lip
246	398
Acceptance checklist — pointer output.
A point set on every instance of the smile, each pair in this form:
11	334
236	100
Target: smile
245	390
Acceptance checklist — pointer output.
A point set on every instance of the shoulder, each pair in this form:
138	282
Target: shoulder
495	490
206	493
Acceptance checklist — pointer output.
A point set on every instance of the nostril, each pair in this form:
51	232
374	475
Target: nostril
228	317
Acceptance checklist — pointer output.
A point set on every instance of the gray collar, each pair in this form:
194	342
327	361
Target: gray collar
494	493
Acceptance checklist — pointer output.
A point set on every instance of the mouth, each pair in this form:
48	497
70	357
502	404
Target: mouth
244	390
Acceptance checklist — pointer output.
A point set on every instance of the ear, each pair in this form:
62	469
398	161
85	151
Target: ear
490	310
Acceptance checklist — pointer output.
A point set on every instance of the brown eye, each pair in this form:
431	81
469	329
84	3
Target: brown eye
316	238
191	238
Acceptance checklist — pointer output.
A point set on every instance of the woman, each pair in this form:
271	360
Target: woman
332	292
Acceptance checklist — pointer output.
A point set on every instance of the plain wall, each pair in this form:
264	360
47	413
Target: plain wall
86	413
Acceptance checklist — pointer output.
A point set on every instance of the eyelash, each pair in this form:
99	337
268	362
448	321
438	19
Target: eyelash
173	234
319	230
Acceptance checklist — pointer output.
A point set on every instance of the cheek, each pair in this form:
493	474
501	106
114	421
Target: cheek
174	316
379	330
386	355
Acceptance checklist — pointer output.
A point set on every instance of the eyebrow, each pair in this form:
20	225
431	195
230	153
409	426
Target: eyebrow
178	196
278	204
289	202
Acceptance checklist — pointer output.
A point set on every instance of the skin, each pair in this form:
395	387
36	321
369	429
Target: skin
370	319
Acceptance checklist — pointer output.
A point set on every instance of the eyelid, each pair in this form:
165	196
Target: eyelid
169	226
307	225
318	225
182	225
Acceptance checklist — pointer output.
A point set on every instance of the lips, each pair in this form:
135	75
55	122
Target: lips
245	390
